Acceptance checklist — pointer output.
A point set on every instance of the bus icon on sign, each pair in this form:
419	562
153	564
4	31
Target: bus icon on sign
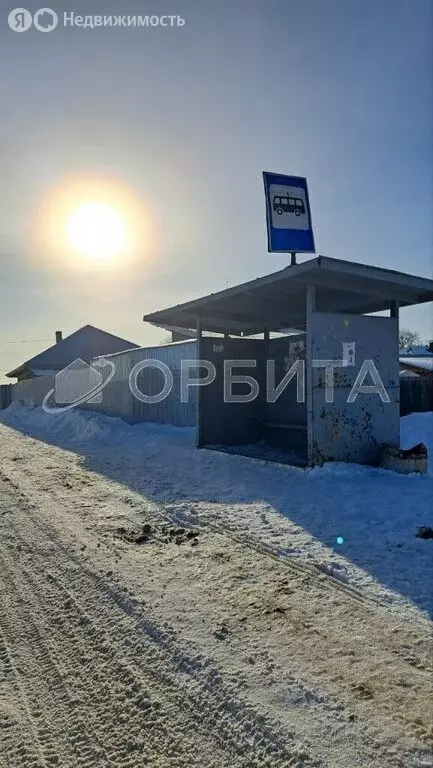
281	204
288	207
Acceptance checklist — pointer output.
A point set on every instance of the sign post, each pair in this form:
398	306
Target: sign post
288	215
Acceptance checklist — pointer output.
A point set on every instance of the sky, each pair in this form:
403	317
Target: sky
184	120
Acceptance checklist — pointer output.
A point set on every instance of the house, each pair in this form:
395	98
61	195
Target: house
86	343
418	351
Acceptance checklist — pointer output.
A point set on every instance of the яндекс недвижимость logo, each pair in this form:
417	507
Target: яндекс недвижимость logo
44	20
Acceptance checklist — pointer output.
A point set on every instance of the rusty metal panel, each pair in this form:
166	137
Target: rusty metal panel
344	431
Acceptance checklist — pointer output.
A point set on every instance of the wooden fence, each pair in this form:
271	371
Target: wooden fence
416	394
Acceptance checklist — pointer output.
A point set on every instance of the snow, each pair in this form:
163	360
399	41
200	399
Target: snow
299	513
268	643
418	428
423	363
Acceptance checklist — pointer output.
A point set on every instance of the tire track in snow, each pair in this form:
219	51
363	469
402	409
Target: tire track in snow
174	513
18	737
50	703
97	615
63	499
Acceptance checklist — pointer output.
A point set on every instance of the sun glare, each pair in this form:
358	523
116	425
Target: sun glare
93	225
96	230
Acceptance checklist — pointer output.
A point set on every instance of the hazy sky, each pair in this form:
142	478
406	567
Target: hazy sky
338	91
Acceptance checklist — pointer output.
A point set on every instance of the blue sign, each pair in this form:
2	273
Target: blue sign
288	214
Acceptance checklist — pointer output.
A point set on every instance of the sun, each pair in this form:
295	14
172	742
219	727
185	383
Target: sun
93	224
96	230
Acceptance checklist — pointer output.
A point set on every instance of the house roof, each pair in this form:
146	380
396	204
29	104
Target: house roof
418	351
278	300
86	343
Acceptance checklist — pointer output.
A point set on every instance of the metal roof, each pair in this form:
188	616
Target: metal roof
278	300
88	342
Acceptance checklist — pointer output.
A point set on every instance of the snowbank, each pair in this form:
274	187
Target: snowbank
418	428
77	427
355	522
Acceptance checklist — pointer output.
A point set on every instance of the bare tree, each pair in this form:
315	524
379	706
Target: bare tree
409	338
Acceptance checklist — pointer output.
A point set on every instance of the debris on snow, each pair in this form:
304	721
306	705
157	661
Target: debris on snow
405	461
424	532
162	534
334	569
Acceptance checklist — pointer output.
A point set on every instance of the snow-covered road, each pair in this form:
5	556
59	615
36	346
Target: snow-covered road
216	637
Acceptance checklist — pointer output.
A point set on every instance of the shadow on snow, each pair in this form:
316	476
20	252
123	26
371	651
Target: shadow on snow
375	511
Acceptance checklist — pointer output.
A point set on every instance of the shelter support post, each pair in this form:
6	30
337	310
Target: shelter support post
199	414
266	346
394	313
310	306
394	308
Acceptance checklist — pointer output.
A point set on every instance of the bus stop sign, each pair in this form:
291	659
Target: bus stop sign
288	214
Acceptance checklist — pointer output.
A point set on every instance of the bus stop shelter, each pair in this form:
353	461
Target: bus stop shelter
317	317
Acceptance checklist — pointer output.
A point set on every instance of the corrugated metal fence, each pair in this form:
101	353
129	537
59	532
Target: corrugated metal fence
116	398
5	395
119	400
32	391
